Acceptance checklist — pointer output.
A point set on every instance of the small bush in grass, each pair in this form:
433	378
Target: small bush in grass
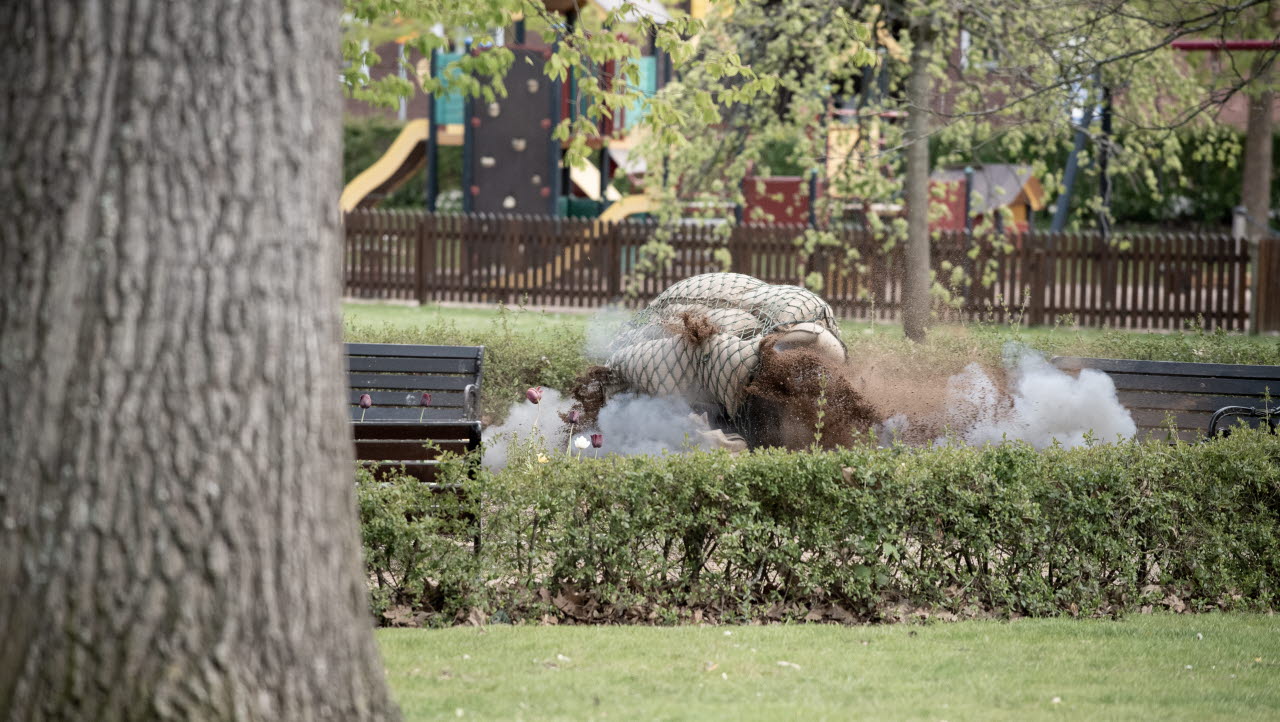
417	545
864	534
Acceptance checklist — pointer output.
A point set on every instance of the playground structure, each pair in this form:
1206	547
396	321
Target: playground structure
977	194
511	163
505	139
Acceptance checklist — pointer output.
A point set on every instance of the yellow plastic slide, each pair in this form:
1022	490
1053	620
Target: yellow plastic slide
587	177
629	206
406	156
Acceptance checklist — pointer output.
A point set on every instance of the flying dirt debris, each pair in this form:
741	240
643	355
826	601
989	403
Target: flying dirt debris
763	365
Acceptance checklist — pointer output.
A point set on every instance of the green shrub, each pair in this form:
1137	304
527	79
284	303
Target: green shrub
863	534
417	546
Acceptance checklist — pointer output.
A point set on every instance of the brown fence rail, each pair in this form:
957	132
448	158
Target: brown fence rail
1157	281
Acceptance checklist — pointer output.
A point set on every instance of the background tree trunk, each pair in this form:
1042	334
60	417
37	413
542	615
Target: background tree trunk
1257	204
178	536
916	283
1256	192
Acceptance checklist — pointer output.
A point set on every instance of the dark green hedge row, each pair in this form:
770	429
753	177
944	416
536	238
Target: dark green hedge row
856	535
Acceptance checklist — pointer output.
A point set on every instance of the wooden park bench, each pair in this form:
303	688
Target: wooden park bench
1200	399
396	430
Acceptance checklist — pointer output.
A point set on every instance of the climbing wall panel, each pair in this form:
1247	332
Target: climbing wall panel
512	161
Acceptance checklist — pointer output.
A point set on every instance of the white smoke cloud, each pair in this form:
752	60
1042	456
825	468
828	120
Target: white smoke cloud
603	327
526	422
1044	405
631	425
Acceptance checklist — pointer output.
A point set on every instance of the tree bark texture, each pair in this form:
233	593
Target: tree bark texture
917	282
178	537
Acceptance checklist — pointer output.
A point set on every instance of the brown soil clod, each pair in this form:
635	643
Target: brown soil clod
692	326
590	392
788	391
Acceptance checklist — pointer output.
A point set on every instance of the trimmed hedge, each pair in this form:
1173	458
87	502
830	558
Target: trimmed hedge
868	534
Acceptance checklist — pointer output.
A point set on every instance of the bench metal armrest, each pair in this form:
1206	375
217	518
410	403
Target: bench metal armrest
471	401
1269	414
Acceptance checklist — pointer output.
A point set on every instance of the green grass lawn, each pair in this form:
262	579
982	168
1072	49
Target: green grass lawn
1143	667
409	317
958	343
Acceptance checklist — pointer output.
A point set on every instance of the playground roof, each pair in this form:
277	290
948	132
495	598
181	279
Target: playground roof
652	9
996	185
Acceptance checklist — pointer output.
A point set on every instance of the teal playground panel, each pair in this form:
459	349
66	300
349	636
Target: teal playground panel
449	108
648	66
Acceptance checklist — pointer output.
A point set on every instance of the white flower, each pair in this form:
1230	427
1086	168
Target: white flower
581	442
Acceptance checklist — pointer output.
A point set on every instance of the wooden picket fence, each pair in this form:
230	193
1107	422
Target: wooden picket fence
1149	281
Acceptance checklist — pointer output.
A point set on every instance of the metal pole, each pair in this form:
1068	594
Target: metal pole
553	161
813	198
468	148
606	175
968	201
433	143
1069	175
968	229
1104	179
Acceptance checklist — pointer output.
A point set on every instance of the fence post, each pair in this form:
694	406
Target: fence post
420	265
612	263
1033	277
739	258
1266	284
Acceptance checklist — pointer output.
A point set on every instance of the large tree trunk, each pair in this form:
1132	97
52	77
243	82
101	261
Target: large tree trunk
177	525
917	282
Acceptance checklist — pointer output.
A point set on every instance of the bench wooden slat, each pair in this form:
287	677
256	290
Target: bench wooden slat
415	351
1185	402
408	382
448	430
1193	385
412	365
1169	368
403	414
407	450
444	399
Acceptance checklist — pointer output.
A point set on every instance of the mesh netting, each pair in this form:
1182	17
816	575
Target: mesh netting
700	338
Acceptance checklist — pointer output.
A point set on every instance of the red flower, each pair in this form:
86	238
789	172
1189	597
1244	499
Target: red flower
425	400
597	440
534	394
366	401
